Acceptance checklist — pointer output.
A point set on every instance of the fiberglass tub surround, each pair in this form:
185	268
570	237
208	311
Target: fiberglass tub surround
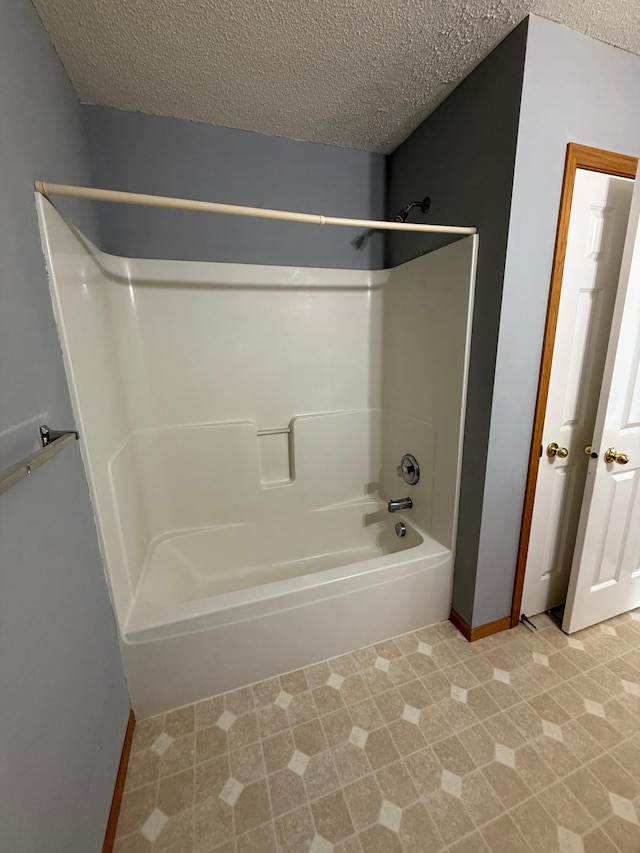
241	426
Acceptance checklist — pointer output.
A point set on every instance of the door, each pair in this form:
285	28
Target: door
605	575
595	241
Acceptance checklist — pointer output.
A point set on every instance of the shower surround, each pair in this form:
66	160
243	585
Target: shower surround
241	426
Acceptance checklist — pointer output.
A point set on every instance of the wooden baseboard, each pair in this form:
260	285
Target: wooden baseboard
460	624
114	814
479	631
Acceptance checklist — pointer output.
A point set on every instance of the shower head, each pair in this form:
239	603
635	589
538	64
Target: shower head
424	205
361	240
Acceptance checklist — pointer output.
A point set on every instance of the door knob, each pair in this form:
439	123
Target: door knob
554	450
612	455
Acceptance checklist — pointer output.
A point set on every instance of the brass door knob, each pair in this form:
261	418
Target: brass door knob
612	455
554	450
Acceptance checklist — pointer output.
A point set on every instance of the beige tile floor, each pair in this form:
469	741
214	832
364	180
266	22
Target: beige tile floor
519	742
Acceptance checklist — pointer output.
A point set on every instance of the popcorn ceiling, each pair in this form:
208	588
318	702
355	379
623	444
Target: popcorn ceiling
358	73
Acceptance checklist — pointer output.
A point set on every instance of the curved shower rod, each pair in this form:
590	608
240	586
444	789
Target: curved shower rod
47	189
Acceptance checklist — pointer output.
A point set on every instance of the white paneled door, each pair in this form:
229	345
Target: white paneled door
595	241
605	575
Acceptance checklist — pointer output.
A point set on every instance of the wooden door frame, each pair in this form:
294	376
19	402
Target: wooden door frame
593	160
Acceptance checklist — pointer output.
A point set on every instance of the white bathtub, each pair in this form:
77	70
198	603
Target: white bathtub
225	606
229	558
241	426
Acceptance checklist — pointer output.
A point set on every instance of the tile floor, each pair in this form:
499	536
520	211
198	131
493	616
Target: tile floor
519	742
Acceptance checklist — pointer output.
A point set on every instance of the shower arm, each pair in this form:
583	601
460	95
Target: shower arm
91	193
424	205
361	240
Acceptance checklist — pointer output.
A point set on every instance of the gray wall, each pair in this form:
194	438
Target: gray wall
463	157
63	698
575	90
170	156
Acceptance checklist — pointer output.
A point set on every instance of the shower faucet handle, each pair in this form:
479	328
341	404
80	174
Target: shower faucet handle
409	469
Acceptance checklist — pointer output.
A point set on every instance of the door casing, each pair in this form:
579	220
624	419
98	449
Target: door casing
577	157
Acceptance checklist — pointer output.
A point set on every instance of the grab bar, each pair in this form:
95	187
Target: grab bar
53	442
276	431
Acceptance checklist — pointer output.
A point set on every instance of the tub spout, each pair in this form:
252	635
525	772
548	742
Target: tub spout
399	503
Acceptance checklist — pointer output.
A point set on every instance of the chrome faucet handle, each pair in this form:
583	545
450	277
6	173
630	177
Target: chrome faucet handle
409	469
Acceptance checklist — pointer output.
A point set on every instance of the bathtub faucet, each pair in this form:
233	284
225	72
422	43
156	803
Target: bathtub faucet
399	503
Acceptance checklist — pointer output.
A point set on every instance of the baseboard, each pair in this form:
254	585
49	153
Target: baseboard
460	624
114	814
479	631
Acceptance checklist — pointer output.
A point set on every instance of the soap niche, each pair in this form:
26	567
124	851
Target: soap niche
276	457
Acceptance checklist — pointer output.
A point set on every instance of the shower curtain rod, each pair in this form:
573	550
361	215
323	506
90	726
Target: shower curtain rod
46	189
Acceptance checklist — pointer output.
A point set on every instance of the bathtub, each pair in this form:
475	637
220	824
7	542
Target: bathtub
241	427
221	607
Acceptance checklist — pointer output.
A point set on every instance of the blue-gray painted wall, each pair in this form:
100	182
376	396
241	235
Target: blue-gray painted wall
170	156
63	697
492	155
579	90
463	157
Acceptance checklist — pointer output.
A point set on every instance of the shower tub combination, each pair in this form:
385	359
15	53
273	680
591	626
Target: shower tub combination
241	427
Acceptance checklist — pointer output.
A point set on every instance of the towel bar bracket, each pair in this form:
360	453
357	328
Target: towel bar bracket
48	436
52	441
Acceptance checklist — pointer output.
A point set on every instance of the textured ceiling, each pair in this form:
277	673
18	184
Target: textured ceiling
360	73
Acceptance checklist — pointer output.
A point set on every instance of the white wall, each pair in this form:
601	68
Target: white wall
427	317
174	367
94	376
